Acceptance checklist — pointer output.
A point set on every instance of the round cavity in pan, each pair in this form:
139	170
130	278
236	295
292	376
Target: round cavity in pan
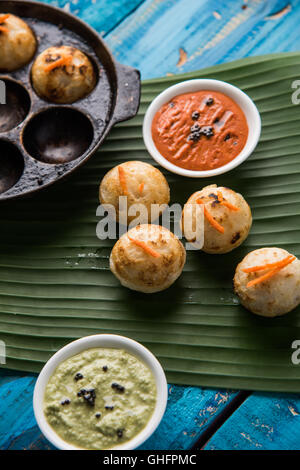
11	165
16	107
58	135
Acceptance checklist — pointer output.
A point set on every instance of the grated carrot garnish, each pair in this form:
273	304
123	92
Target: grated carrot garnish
220	197
64	60
141	187
271	272
230	206
263	278
210	218
226	203
4	18
122	179
145	247
277	264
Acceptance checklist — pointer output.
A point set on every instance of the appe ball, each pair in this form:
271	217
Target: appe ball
231	216
63	74
17	43
276	295
142	184
148	258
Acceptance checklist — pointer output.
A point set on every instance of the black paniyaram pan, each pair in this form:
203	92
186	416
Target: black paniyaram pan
41	142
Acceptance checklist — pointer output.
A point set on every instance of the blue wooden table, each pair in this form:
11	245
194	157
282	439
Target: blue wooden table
164	37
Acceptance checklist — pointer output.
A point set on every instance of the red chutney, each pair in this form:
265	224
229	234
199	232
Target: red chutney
200	131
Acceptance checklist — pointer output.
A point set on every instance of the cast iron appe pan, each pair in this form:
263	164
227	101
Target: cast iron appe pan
42	142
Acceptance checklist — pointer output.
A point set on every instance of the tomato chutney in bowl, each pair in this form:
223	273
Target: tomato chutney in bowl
201	128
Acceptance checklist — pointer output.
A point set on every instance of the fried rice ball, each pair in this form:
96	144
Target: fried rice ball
279	293
17	43
229	210
63	74
148	258
141	183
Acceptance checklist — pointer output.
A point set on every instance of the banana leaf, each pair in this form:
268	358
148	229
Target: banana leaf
55	282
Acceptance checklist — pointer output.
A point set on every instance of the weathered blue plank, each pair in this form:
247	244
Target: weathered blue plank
9	376
263	421
16	414
191	35
103	15
189	412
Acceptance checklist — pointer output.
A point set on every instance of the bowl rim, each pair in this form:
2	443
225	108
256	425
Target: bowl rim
241	98
105	341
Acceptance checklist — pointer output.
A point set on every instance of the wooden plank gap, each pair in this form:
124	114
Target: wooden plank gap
215	425
124	18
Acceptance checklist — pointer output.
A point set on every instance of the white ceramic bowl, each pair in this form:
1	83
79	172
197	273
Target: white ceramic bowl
243	100
101	341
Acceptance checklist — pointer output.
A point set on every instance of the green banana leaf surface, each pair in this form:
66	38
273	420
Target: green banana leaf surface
55	282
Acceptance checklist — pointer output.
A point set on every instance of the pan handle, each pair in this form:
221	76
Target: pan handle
128	93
